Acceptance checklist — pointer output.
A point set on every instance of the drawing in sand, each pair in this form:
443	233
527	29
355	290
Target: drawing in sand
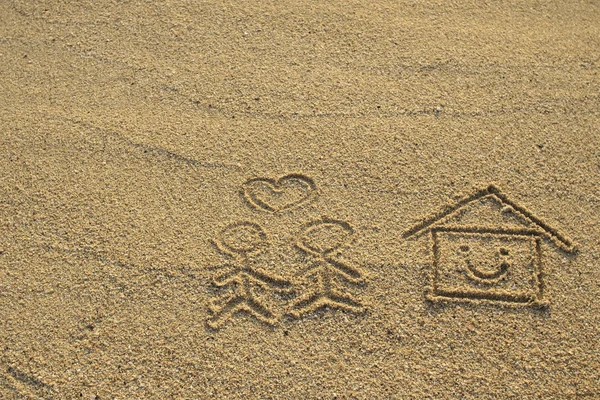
320	240
241	241
487	247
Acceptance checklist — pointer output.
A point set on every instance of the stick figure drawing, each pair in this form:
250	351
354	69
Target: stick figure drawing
321	239
241	241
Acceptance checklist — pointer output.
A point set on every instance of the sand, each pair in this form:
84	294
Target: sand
292	200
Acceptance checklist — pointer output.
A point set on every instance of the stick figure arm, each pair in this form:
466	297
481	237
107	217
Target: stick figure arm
349	272
226	278
221	266
268	280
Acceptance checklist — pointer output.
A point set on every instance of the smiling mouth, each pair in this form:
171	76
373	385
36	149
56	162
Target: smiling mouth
488	274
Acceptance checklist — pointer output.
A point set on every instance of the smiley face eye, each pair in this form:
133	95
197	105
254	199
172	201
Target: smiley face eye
503	251
464	249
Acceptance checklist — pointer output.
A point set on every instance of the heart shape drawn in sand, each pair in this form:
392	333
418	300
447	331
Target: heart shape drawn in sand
277	195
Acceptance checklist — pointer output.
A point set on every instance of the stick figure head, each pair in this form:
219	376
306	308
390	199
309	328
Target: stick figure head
242	238
324	236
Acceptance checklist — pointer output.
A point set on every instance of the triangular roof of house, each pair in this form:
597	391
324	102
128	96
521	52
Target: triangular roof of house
561	240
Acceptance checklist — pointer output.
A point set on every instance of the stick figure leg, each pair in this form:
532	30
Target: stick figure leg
225	312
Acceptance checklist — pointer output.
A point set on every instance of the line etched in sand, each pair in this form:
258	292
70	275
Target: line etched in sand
278	195
559	238
241	241
502	263
321	239
512	273
25	385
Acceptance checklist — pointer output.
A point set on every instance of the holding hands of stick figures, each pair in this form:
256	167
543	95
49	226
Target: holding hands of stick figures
320	241
325	283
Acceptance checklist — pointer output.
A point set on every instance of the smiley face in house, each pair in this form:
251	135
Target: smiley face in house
486	264
490	269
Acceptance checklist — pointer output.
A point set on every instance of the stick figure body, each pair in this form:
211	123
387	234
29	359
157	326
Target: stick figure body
241	241
327	268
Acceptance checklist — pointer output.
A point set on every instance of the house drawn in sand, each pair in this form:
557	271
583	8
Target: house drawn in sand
488	248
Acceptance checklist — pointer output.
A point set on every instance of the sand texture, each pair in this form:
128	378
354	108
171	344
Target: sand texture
299	200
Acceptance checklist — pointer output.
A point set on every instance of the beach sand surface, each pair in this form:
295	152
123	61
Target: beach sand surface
299	200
